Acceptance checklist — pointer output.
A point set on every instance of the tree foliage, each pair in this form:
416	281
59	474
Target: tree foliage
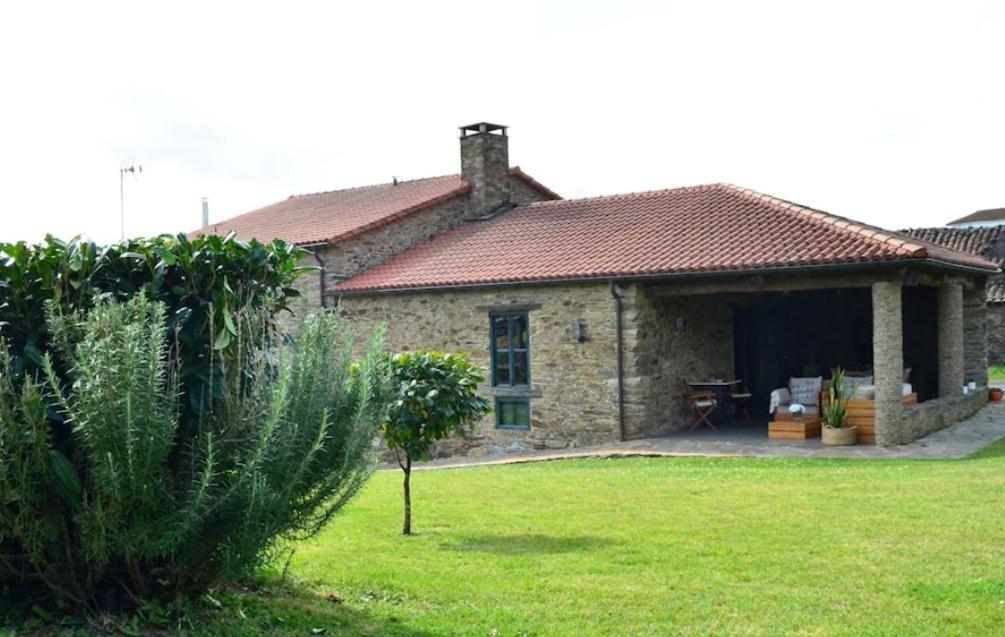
202	282
437	397
131	503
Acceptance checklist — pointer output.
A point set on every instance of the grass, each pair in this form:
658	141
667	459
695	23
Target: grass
686	546
996	373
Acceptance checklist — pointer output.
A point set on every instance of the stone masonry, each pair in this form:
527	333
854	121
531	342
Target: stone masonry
573	391
976	321
888	360
950	325
485	165
673	338
573	385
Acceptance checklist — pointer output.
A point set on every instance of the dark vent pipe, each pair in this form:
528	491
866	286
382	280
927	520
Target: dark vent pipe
321	275
618	310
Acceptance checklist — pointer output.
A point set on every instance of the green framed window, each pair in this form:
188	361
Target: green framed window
512	413
510	349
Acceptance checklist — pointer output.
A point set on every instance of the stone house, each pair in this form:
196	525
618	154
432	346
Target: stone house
588	314
988	242
349	230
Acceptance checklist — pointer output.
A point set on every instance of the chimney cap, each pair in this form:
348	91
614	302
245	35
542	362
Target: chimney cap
482	127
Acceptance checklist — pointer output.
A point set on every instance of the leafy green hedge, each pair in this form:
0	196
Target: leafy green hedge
200	281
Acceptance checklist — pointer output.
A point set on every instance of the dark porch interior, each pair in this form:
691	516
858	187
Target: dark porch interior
778	335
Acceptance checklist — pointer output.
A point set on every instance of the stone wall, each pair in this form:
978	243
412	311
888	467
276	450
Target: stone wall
924	418
996	333
573	392
676	337
976	317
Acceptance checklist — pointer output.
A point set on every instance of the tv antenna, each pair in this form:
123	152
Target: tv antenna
128	166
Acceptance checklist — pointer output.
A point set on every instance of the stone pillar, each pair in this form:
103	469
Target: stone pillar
975	334
637	332
950	339
888	360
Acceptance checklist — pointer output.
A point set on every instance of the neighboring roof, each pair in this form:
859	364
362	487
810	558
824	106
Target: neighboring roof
991	214
698	229
987	242
329	217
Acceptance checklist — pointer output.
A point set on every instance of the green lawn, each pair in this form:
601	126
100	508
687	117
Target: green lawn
996	373
656	546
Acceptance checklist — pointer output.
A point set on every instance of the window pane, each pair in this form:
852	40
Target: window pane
502	368
521	414
505	413
520	368
520	336
501	333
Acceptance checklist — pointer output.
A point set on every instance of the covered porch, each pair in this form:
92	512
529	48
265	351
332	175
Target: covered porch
904	332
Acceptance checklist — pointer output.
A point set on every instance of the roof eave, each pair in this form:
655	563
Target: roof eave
676	276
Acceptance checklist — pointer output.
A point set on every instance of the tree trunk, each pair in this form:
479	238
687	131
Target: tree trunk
407	468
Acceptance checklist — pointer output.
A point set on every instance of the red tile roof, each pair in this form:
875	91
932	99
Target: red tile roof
329	217
711	228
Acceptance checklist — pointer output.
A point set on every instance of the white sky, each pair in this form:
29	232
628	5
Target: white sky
887	112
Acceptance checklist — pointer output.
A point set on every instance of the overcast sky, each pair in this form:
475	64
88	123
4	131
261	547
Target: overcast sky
887	112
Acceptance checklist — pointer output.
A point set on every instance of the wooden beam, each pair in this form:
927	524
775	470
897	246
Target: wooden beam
772	283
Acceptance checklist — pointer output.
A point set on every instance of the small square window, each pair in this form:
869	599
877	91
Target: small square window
512	413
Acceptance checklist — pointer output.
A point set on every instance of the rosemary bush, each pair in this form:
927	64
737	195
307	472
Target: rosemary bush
131	499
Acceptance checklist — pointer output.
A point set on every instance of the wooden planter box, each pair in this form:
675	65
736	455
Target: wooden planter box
862	414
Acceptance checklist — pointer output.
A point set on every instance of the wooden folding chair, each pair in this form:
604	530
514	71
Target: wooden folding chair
741	398
703	402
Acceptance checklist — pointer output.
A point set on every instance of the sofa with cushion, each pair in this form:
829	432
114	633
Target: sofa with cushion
805	391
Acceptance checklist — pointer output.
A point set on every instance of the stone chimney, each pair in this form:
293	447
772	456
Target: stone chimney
485	165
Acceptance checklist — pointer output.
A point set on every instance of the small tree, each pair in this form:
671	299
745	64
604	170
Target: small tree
437	398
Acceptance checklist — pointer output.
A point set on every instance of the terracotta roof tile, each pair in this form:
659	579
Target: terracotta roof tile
987	242
329	217
710	228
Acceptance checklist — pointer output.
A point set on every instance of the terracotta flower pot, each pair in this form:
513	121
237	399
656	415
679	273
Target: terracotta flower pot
840	436
996	395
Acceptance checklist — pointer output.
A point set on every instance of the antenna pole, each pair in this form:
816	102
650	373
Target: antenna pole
131	168
122	204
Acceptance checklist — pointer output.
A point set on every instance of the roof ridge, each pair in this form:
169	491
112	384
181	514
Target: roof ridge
901	242
372	186
625	195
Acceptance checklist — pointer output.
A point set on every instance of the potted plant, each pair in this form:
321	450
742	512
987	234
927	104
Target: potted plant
996	394
835	427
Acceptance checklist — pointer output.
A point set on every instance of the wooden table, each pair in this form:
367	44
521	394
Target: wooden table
785	427
723	397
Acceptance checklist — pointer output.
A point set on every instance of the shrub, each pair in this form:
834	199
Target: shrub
437	397
836	407
202	282
130	502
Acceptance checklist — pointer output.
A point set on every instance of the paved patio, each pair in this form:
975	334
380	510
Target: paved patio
957	441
